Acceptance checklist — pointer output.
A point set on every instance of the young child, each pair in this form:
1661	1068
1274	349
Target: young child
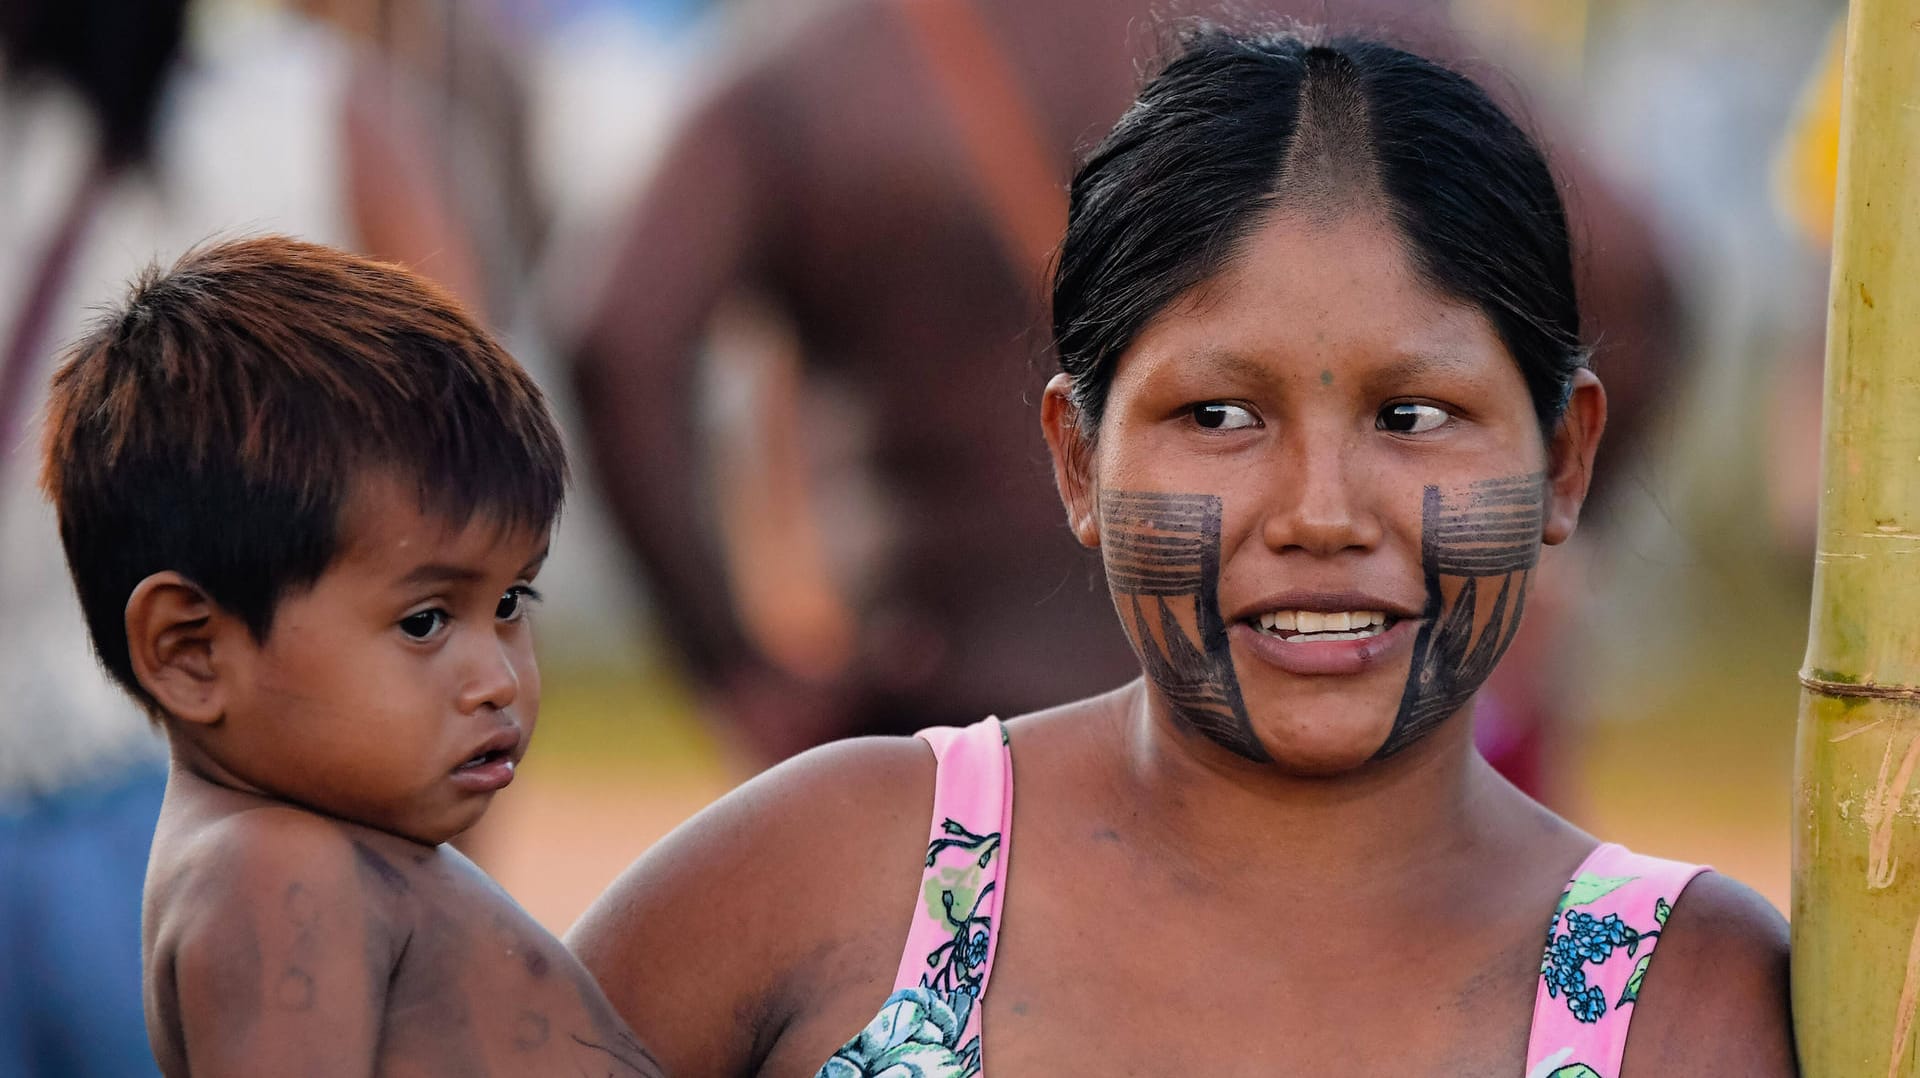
304	498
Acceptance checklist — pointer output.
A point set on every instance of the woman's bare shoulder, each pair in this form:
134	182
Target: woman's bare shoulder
791	885
1715	1001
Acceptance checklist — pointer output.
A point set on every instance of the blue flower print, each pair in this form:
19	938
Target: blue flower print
1586	940
977	949
1589	1004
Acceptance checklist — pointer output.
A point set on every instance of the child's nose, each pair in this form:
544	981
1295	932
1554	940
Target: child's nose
493	679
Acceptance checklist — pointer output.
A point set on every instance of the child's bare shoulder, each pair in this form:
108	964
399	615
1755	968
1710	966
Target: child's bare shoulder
267	942
271	851
205	859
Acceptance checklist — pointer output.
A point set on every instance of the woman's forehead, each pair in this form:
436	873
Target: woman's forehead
1312	290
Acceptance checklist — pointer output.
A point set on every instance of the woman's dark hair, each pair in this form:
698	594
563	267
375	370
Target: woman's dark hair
1238	125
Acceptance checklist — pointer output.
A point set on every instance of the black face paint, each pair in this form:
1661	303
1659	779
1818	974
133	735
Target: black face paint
1478	548
1162	554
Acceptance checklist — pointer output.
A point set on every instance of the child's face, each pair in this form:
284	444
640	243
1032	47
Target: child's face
400	691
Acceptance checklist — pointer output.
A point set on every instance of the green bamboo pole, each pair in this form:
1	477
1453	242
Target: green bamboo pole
1856	855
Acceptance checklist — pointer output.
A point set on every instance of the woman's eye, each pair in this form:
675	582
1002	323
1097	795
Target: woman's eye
513	604
424	625
1216	416
1412	418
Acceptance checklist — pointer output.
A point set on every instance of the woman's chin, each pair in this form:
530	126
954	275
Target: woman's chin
1322	747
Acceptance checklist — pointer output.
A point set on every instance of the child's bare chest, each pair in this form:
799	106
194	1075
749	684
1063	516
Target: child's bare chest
481	988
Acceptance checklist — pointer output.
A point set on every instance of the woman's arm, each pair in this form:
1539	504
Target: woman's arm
782	898
1715	1000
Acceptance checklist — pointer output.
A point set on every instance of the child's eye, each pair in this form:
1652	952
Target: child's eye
1411	418
1213	415
513	604
424	625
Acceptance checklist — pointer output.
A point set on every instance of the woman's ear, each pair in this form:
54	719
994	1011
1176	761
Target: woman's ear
1073	466
179	642
1570	455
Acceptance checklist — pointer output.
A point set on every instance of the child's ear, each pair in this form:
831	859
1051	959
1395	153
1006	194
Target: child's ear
178	640
1073	466
1570	455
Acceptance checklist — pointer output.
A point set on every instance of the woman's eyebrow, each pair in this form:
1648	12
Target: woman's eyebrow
1228	361
1414	362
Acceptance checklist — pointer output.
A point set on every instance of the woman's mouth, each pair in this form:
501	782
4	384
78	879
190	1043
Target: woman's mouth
1313	626
1320	643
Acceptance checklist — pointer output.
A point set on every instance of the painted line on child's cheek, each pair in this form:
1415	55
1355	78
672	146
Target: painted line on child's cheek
1162	554
1479	547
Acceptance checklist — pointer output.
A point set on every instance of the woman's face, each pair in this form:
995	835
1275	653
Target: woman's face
1320	489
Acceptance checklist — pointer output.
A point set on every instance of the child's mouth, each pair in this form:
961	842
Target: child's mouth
485	758
1313	626
492	767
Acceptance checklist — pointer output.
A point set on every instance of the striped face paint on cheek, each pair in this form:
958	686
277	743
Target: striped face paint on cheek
1162	555
1479	547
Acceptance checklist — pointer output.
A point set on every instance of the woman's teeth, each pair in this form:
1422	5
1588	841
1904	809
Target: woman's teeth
1313	625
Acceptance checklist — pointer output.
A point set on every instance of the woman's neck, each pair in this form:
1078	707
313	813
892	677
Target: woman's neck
1414	815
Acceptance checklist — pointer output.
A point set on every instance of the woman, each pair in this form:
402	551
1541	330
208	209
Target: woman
1322	402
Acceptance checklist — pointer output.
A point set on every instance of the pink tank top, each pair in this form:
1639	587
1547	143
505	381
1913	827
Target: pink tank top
1600	939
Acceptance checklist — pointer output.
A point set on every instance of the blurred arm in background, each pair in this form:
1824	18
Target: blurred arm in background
396	190
689	244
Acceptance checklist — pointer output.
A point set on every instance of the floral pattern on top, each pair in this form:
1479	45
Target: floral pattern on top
930	1025
1587	939
958	964
922	1032
1600	943
916	1035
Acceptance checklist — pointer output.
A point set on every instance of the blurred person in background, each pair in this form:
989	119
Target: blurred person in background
872	188
462	69
124	137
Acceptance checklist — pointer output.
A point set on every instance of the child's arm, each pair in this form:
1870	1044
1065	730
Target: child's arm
282	951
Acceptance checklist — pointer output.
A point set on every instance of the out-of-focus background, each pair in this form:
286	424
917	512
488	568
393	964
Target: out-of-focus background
778	263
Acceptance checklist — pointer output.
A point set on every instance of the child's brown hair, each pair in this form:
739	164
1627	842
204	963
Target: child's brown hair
217	422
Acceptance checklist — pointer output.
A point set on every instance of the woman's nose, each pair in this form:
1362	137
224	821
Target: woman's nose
1317	500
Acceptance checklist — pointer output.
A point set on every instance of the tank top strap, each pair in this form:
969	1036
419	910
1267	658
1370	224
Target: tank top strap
1600	944
956	919
930	1024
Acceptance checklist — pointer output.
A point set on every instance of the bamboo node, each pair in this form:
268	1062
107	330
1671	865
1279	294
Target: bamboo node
1859	689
